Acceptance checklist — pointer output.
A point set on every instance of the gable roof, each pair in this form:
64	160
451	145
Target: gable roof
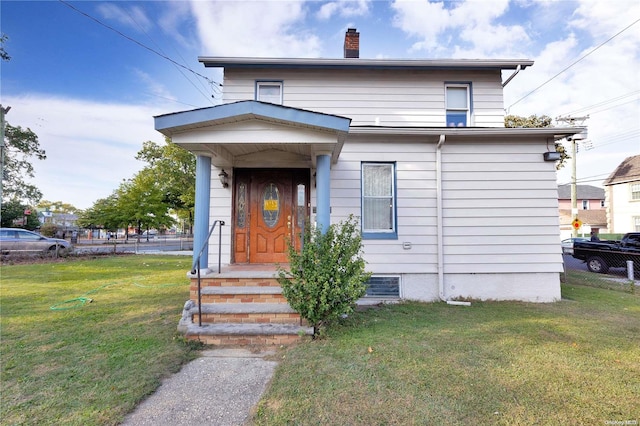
359	63
583	192
169	124
627	171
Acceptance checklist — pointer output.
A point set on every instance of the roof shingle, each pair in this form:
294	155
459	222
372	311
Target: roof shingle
627	171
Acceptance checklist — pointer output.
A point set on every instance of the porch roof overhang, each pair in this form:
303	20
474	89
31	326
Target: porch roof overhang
236	130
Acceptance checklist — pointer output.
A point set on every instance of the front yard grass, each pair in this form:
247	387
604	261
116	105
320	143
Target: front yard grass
573	362
87	363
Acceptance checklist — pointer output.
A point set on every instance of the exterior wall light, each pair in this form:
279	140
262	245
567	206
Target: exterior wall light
551	156
224	178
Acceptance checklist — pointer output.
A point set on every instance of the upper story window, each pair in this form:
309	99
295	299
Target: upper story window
635	191
378	201
269	91
585	204
602	203
458	104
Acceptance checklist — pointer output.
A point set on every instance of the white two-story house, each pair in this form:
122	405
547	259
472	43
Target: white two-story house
452	204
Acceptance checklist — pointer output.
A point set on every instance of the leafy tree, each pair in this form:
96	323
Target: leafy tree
20	146
13	211
141	201
174	169
538	121
57	206
103	214
3	53
328	275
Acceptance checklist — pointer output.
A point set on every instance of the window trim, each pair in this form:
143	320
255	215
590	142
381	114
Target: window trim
391	234
469	109
259	83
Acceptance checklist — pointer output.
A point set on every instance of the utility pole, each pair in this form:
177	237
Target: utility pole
3	112
572	121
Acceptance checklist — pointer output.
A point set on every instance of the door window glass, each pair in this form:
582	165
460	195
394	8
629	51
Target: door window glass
241	216
271	205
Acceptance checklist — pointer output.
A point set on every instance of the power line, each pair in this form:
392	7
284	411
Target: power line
574	63
160	48
605	102
210	81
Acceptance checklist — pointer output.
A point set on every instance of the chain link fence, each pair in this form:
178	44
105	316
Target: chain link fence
612	270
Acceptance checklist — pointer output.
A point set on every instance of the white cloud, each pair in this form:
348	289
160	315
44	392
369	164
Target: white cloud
133	17
90	146
343	8
274	29
469	29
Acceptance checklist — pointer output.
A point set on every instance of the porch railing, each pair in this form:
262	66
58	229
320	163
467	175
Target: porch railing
195	269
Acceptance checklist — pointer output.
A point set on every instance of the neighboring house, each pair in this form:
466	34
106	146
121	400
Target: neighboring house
623	197
64	221
590	201
452	204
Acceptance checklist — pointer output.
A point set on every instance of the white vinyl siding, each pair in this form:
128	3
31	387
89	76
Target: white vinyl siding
376	97
500	209
415	198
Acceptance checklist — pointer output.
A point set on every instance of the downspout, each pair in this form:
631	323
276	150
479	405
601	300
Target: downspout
518	68
439	226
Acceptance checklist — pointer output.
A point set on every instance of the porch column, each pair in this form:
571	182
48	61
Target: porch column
201	214
323	191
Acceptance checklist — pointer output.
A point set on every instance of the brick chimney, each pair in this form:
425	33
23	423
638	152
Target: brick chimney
352	43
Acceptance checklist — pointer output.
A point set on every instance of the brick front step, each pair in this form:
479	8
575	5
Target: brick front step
234	282
241	294
243	324
275	313
247	334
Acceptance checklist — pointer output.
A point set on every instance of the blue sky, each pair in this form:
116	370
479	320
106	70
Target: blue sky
89	86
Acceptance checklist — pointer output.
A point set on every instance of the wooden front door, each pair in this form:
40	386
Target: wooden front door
271	206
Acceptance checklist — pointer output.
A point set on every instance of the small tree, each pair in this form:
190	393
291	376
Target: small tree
328	275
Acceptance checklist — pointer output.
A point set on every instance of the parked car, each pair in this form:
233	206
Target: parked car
602	255
17	240
567	244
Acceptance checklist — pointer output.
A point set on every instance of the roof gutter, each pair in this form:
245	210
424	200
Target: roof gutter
518	68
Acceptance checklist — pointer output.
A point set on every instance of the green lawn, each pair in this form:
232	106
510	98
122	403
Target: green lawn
91	363
572	362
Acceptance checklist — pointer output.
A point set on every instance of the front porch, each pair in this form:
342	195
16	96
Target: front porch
241	305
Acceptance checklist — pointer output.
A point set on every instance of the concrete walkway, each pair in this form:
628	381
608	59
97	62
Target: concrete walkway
220	388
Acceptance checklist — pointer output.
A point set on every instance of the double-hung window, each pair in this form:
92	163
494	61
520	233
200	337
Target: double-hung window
635	191
379	201
458	101
269	91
